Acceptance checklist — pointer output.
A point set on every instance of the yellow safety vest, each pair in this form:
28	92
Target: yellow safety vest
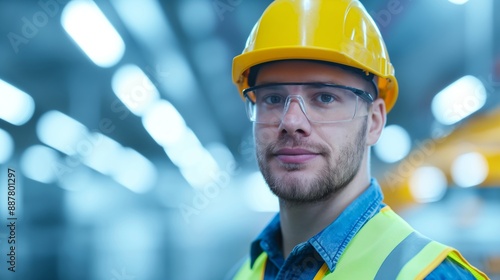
386	247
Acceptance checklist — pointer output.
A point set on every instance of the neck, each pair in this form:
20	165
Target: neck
300	222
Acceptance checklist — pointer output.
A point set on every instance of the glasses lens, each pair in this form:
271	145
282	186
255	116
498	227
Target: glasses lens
320	102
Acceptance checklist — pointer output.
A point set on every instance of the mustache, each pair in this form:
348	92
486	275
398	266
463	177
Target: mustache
294	142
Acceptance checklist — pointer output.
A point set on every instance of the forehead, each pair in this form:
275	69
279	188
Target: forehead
307	71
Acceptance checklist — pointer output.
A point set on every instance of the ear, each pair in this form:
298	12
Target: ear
376	121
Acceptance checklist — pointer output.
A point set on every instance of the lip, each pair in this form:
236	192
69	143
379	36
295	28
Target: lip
297	155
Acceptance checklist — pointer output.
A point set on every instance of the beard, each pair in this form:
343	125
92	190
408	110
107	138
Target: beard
338	172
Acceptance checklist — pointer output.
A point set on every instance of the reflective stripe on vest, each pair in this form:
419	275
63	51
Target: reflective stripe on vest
386	247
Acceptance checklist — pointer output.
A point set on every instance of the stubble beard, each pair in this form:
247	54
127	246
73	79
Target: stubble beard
334	177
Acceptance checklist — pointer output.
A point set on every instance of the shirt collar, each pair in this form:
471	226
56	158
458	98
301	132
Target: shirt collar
330	243
270	235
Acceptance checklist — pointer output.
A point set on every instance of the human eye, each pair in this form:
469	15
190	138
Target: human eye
273	99
271	95
325	98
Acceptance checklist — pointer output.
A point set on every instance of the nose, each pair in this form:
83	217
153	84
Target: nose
294	120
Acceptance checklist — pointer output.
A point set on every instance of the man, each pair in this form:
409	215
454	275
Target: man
317	82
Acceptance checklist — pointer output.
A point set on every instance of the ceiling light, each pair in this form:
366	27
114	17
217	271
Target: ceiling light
149	26
16	106
428	184
127	167
6	146
167	127
459	2
394	144
459	100
134	89
104	155
62	133
222	155
94	34
164	123
469	169
40	163
195	162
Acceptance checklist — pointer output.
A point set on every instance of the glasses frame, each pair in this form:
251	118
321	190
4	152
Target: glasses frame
364	95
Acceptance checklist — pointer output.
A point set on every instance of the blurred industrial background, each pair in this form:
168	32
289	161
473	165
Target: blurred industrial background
134	158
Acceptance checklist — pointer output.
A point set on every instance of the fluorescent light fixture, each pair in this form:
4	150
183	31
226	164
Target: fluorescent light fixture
16	106
394	144
40	163
258	195
134	89
78	179
196	164
428	184
469	169
149	26
164	123
94	34
190	152
104	154
186	152
167	127
130	164
6	146
459	100
458	2
222	155
62	133
110	158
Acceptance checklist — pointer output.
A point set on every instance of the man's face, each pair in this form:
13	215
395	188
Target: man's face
305	162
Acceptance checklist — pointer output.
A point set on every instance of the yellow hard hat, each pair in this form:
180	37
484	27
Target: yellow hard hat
338	31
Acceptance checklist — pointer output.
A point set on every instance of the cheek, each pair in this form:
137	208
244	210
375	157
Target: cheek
263	135
332	136
336	138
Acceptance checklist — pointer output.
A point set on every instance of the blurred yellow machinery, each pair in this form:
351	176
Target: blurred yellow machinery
480	134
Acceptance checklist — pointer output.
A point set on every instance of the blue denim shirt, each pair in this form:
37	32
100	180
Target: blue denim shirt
306	258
